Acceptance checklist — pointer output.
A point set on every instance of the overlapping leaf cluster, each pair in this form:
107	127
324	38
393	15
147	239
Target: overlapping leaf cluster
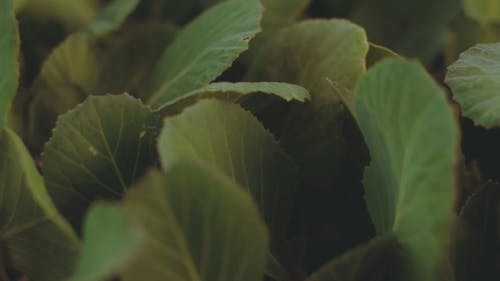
138	143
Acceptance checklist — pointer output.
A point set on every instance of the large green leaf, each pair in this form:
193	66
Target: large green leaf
475	82
225	136
326	57
413	140
204	49
381	259
236	92
112	16
484	11
413	28
33	236
198	225
83	65
97	151
9	53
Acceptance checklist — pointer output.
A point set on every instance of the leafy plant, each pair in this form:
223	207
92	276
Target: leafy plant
247	140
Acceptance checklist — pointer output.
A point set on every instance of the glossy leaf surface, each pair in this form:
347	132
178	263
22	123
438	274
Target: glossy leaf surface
412	136
204	49
97	151
231	140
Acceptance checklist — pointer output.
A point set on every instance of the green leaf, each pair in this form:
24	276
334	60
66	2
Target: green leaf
285	91
475	82
97	151
412	28
83	65
412	136
110	238
236	92
197	225
36	239
9	53
381	259
315	54
483	11
231	140
204	49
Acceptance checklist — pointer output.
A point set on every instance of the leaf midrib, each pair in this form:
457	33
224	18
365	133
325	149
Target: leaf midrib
179	237
108	148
